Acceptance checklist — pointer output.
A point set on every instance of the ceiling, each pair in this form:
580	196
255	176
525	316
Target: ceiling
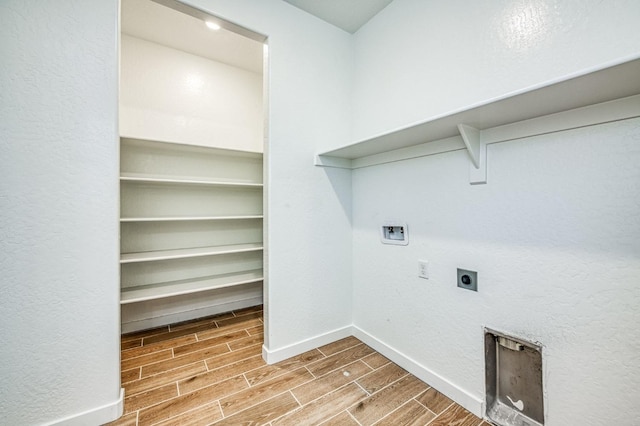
185	30
349	15
154	22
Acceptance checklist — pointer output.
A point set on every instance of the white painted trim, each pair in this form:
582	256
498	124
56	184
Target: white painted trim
443	385
95	416
471	137
147	323
609	81
277	355
329	161
429	148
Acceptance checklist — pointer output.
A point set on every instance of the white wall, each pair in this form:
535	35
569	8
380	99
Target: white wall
419	58
201	101
308	292
553	235
59	214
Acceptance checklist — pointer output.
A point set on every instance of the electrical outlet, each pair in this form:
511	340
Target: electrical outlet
423	269
467	279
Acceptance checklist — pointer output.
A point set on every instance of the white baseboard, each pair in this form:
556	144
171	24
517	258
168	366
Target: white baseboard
96	416
147	323
441	384
277	355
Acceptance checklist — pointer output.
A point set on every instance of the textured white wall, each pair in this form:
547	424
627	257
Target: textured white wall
309	209
59	214
201	102
553	235
419	58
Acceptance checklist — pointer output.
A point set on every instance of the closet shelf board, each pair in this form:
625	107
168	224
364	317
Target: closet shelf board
182	287
128	178
151	256
185	218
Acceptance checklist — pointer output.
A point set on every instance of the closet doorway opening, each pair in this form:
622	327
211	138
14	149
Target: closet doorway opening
193	141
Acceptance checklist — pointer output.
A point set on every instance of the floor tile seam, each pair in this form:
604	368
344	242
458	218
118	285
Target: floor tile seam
246	380
346	349
217	322
218	382
154	402
204	340
365	391
312	375
284	370
222	331
235	362
399	407
171	381
124	351
331	372
174	368
176	381
294	397
440	413
343	366
330	392
128	337
388	384
374	368
253	387
212	359
190	354
416	399
193	324
139	375
257	403
184	412
288	412
327	357
353	417
142	365
324	421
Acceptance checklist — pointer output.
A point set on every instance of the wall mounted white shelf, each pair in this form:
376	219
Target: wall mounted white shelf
602	94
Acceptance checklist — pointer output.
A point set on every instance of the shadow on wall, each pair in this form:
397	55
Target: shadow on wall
340	180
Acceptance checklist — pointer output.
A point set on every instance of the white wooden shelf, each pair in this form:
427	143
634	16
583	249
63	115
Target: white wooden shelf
182	287
149	179
565	102
186	219
151	256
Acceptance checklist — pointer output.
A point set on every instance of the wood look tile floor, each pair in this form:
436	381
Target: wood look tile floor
210	372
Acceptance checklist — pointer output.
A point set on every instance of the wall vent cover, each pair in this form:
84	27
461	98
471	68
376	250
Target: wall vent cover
513	380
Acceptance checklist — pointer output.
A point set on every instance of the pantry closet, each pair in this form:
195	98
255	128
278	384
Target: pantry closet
191	165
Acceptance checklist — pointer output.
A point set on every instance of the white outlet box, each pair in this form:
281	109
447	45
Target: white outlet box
394	233
423	269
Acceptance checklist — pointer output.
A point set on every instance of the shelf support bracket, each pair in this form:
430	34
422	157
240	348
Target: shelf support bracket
471	137
477	150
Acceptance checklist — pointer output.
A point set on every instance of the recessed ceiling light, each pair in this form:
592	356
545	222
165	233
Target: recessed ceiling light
212	25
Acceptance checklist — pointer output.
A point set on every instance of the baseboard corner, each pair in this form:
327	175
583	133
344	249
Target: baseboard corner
95	416
277	355
443	385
